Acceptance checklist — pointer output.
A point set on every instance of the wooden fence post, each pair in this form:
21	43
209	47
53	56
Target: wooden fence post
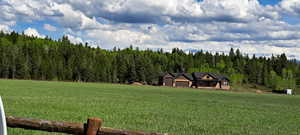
93	126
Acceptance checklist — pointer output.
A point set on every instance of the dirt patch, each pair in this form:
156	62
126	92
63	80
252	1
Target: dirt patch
137	84
259	92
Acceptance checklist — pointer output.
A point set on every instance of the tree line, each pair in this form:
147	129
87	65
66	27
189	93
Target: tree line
25	57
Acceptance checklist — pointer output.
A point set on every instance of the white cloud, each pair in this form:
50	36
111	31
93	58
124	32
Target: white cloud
49	27
110	39
213	25
290	7
32	10
4	28
74	19
33	32
74	40
154	11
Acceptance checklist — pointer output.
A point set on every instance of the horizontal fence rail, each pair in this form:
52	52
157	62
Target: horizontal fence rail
92	127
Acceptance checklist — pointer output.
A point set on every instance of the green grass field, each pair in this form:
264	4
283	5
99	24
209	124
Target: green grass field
161	109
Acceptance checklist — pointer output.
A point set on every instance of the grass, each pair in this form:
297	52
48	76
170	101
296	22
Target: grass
249	88
174	110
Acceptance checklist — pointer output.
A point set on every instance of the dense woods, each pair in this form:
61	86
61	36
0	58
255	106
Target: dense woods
24	57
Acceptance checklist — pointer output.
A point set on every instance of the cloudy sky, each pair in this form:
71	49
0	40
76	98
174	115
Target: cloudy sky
261	27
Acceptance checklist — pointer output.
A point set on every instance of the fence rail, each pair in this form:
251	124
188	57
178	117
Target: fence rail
92	127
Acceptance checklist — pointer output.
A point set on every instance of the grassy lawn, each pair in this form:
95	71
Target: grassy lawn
161	109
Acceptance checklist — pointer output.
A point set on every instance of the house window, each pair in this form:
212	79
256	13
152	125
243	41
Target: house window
225	83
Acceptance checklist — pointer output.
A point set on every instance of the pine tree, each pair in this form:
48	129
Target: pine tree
26	57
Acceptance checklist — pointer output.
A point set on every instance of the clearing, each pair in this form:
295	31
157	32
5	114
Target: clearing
173	110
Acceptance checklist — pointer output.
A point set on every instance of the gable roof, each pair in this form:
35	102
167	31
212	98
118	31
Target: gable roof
162	74
187	76
198	75
176	75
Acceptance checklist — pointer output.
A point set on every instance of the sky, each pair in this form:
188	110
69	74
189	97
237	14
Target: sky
260	27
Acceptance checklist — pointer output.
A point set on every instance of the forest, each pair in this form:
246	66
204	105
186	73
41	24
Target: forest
25	57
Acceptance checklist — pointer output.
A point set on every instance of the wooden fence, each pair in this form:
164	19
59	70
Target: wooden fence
92	127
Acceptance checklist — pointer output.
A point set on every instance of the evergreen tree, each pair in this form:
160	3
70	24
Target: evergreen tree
25	57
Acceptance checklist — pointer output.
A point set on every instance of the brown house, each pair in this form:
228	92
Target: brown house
176	80
195	80
210	80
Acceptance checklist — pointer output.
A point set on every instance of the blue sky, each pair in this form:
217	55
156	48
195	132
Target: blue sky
269	2
261	27
39	26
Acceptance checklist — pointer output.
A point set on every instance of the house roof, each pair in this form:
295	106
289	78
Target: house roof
186	75
214	75
175	75
166	73
196	75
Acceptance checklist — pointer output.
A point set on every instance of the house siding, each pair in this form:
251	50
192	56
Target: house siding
182	81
